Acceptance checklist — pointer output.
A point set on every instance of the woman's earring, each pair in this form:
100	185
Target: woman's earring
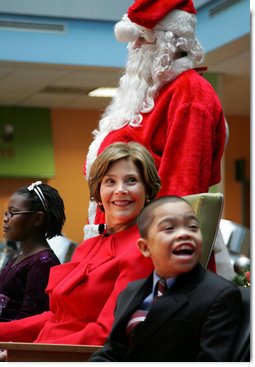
100	206
147	200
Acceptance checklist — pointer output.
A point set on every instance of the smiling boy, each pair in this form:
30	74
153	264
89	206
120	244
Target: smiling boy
195	318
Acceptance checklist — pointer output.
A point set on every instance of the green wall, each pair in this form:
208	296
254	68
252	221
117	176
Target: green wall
28	151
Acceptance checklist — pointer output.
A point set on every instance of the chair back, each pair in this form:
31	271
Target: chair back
208	209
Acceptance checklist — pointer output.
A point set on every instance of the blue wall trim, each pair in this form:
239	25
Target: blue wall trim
82	43
227	26
92	43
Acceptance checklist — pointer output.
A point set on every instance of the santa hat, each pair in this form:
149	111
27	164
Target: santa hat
177	16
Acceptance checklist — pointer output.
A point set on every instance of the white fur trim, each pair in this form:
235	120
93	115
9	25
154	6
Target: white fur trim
92	211
179	22
90	230
125	30
93	149
227	132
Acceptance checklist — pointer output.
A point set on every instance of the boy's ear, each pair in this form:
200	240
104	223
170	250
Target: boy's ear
143	247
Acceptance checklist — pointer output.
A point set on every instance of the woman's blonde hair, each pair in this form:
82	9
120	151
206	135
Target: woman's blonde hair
138	154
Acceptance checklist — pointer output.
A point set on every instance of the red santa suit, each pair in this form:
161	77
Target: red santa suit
185	133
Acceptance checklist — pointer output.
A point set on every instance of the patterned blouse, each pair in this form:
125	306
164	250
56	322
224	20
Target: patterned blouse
22	285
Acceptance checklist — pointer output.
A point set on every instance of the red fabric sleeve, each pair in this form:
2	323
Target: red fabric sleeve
24	330
191	158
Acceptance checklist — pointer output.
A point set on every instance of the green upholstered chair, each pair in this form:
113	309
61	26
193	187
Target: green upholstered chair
208	208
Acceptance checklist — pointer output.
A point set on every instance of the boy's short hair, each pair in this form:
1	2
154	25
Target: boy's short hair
146	216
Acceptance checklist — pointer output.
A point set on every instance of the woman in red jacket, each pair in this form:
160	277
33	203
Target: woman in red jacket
83	292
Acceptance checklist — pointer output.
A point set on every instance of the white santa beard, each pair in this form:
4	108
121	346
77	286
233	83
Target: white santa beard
126	104
131	96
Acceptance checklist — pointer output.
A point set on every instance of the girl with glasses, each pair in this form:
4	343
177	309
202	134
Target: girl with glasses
34	214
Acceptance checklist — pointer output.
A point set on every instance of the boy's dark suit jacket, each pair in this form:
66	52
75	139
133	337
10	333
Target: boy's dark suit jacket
195	320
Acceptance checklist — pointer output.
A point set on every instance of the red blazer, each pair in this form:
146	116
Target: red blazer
83	293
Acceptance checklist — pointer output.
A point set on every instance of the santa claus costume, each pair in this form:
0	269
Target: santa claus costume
164	103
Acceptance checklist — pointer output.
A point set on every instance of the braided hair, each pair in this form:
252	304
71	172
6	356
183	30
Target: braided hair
44	198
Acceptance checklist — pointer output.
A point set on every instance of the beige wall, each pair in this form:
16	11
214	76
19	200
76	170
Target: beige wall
71	137
238	148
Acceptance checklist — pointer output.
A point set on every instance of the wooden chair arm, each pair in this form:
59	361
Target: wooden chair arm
40	352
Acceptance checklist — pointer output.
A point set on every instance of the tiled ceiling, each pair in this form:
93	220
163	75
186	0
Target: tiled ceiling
53	86
38	85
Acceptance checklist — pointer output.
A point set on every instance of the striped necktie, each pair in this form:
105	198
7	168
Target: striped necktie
136	318
140	315
161	287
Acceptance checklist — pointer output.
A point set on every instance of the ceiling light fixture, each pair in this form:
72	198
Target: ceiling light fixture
103	92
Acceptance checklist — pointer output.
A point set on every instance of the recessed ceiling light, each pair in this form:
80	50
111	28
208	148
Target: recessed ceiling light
103	92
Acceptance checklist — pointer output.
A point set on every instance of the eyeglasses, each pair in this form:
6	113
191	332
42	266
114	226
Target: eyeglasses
9	214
